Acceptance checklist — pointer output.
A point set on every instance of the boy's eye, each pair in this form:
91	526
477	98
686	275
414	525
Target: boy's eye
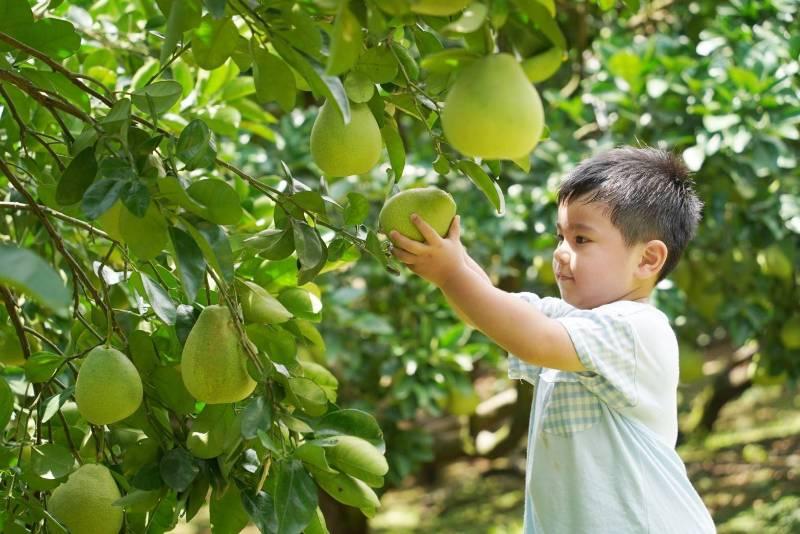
580	240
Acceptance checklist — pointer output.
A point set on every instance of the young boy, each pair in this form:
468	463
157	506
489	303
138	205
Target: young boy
604	362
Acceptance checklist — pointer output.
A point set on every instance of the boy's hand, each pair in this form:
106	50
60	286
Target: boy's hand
438	257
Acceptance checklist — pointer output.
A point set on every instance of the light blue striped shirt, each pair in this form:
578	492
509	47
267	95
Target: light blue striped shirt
601	443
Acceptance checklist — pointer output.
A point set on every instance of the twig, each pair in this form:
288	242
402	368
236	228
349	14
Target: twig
63	216
11	307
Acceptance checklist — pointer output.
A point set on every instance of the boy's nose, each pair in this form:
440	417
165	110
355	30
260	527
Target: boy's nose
561	255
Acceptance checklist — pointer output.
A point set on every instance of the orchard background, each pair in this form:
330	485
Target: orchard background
154	156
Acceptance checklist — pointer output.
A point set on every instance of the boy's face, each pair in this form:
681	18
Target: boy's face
591	262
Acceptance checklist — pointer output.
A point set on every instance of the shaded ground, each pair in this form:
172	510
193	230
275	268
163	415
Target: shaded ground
747	471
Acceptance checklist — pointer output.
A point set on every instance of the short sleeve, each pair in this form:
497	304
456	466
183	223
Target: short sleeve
551	307
606	346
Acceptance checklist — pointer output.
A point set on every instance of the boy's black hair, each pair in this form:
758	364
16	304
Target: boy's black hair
649	192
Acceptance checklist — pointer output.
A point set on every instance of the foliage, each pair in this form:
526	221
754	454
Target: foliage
123	132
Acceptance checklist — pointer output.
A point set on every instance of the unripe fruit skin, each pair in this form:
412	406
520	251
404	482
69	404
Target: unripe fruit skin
84	502
492	111
438	8
436	207
108	388
341	149
214	364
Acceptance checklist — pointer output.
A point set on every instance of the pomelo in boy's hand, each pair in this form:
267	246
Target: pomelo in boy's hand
108	388
84	502
436	207
493	111
341	149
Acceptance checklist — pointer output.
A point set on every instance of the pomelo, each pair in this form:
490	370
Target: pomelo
84	502
436	207
214	363
341	149
492	111
108	388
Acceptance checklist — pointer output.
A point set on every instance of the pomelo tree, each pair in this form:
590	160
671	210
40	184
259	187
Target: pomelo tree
130	215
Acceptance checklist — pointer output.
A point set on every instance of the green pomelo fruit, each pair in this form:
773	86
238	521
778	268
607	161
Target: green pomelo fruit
541	66
342	150
209	432
108	388
145	236
109	221
214	364
259	306
436	207
492	111
790	333
438	8
356	457
84	502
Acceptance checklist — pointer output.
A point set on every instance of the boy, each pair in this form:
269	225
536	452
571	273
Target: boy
604	362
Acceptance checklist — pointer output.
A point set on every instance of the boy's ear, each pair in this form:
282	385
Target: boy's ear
654	255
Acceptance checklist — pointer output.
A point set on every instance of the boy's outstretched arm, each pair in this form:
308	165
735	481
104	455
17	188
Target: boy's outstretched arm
472	264
509	321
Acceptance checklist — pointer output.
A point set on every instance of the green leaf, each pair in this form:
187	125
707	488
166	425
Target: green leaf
219	198
447	60
378	64
274	80
41	366
308	396
261	509
54	403
543	19
357	209
394	146
54	37
100	196
327	87
226	511
170	390
51	461
351	422
190	260
162	95
159	299
359	87
178	469
345	41
311	251
183	15
6	403
117	116
214	41
489	187
310	201
136	197
77	177
272	244
471	19
295	496
24	270
196	146
257	414
213	241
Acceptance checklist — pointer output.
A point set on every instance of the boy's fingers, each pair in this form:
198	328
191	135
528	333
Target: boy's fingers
404	242
455	228
404	256
424	228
